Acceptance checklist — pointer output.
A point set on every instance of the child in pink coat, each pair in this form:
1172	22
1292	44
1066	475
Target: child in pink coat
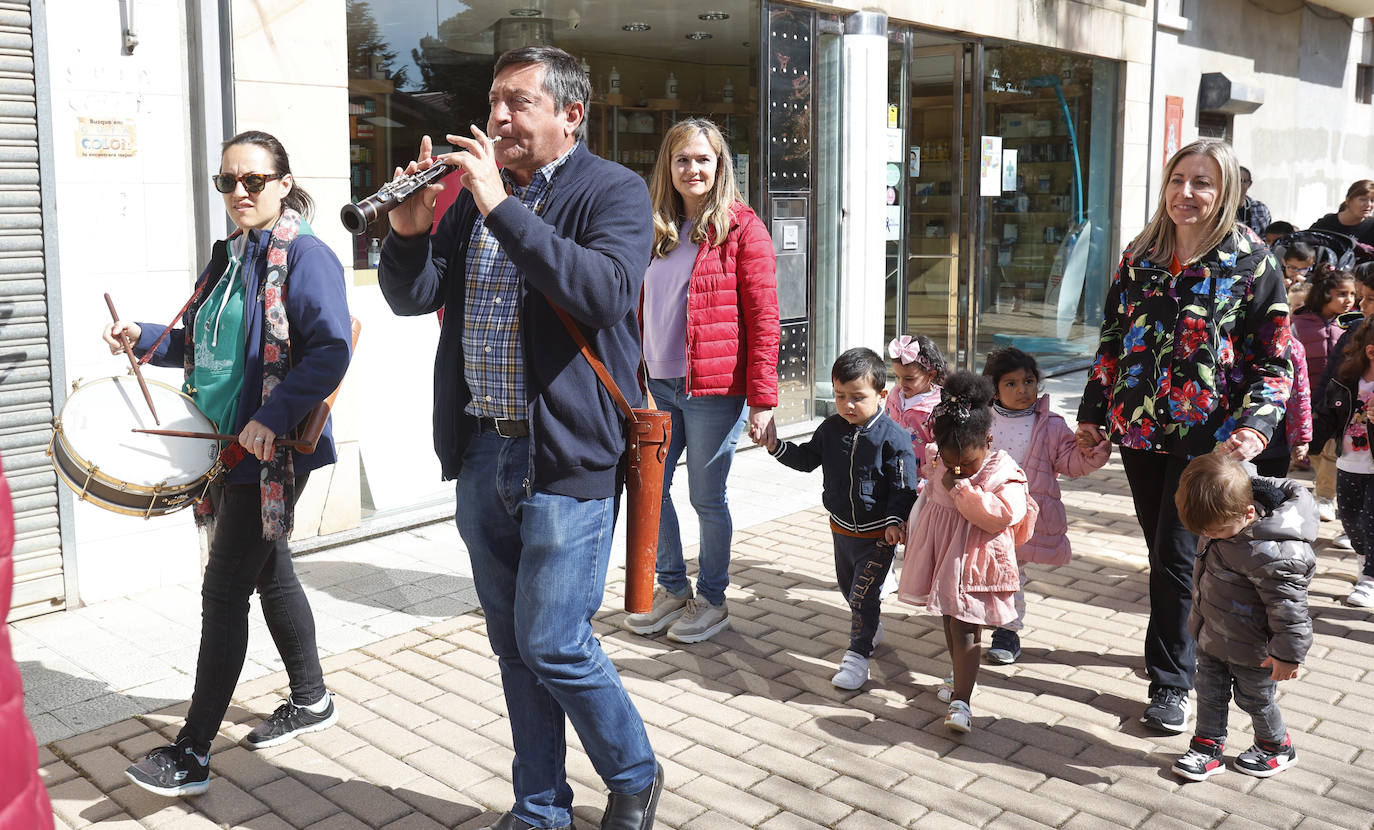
1042	443
961	543
920	369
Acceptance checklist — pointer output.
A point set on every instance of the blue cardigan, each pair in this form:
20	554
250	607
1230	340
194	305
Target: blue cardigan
321	343
587	252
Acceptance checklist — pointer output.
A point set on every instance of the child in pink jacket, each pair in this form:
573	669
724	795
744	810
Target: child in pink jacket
1042	443
961	543
920	370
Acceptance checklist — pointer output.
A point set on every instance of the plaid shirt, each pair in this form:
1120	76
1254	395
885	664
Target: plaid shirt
494	361
1254	213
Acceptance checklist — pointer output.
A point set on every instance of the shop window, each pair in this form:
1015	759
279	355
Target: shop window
1364	83
1046	233
1214	125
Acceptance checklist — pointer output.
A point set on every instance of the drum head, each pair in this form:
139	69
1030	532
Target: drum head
95	426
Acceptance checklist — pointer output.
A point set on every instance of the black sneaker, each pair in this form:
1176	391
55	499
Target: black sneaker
1202	761
289	721
1168	710
172	770
1006	646
1265	759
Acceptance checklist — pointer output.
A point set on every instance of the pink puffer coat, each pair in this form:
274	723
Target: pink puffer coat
1054	453
732	315
1001	516
23	801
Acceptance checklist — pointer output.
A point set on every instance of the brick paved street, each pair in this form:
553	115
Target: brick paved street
752	734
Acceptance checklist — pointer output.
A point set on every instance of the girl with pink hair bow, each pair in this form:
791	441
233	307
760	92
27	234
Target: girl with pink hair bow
920	369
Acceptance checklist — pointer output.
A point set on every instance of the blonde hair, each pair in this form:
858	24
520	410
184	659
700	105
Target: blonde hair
669	211
1213	489
1157	241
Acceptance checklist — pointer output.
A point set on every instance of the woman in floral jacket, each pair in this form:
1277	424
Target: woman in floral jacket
1194	356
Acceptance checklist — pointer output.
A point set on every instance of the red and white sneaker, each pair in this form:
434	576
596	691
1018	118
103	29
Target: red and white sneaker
1202	761
1265	759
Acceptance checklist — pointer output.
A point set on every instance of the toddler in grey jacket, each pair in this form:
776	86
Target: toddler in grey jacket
1249	614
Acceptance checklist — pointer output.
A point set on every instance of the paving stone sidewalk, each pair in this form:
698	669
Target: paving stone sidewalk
752	734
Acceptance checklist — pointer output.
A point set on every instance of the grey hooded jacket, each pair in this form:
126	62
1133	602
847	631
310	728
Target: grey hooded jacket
1250	591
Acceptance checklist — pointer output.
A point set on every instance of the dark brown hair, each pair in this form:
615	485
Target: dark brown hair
296	198
1214	488
1354	360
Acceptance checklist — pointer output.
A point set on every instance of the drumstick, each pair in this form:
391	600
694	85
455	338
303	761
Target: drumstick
133	363
218	436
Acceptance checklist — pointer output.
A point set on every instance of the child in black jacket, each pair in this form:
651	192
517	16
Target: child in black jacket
869	487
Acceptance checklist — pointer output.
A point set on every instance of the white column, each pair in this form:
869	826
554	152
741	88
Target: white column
863	264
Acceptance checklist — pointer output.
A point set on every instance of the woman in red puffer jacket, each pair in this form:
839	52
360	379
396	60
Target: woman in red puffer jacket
710	321
23	801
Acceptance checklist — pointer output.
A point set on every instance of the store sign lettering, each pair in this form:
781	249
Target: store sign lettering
106	138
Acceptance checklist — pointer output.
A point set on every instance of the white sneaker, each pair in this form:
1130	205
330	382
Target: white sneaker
959	718
1363	594
700	621
666	609
1326	509
878	634
1342	542
853	671
946	691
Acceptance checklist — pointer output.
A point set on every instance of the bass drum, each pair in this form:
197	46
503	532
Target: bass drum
96	453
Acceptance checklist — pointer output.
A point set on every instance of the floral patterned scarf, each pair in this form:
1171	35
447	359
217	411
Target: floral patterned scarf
277	476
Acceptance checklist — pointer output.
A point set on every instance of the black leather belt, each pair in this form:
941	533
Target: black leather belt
504	427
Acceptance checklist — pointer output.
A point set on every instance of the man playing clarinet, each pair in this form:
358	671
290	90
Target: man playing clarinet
520	420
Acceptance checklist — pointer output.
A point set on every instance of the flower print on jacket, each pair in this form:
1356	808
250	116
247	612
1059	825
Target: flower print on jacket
1180	377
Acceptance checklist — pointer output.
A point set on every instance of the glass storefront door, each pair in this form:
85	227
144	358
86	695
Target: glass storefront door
926	188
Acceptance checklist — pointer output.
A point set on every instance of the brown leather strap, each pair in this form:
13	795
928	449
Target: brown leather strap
597	366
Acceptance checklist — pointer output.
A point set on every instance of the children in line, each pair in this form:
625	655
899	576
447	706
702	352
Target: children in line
920	370
961	544
1249	613
1318	325
1348	408
1045	448
869	487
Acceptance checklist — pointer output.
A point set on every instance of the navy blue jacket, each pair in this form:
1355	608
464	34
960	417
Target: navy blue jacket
321	343
869	471
587	252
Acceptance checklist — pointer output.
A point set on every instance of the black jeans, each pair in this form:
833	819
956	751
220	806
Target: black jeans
1354	501
240	562
861	565
1169	648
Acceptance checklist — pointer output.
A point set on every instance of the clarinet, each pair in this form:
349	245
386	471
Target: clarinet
357	217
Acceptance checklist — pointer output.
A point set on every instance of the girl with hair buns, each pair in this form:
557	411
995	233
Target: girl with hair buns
961	545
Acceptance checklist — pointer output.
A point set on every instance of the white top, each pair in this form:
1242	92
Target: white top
1356	458
1012	435
915	400
665	309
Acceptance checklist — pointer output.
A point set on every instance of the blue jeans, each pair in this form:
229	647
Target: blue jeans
708	427
539	563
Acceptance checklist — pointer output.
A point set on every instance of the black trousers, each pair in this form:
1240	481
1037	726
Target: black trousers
1170	660
241	561
1354	503
861	565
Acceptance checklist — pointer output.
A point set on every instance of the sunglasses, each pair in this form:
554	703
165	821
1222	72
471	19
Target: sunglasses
252	182
1293	269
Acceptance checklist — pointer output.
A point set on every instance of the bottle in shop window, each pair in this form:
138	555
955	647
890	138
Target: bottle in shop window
727	92
614	81
374	252
671	87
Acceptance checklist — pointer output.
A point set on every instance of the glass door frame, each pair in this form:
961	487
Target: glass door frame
966	255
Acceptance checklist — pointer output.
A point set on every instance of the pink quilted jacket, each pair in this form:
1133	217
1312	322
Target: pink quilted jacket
1054	453
1001	515
23	801
732	315
916	421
